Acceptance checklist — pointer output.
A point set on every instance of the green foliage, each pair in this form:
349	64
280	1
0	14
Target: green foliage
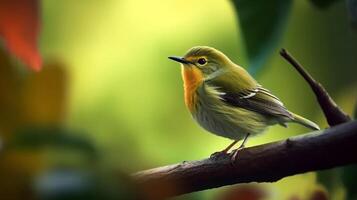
344	177
331	179
262	23
349	177
33	138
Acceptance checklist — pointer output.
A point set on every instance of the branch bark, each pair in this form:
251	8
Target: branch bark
264	163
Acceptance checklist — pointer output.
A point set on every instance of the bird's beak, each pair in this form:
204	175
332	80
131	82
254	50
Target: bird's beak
179	59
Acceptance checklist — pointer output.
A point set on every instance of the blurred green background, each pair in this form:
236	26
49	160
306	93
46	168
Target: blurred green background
107	78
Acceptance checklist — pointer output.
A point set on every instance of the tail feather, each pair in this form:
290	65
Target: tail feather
305	122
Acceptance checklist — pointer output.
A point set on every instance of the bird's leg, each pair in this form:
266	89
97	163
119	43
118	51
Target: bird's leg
235	152
229	146
225	151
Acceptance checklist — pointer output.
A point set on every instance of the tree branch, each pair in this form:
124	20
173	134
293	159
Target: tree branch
264	163
334	115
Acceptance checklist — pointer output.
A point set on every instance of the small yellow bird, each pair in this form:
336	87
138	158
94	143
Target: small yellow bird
225	100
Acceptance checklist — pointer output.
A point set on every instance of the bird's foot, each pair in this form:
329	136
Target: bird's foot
219	154
224	152
234	154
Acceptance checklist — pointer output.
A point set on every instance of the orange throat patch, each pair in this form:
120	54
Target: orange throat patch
192	79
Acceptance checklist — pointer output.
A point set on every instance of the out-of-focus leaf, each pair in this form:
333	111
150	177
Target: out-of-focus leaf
329	178
51	137
10	96
66	184
319	194
323	3
333	179
44	95
27	174
247	192
36	150
31	98
352	12
19	27
16	170
262	23
349	177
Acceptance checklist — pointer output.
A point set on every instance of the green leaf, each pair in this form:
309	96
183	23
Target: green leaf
331	179
349	176
40	137
334	178
262	23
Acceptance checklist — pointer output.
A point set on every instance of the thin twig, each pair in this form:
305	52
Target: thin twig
334	115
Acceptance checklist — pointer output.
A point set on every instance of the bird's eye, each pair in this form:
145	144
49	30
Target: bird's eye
202	61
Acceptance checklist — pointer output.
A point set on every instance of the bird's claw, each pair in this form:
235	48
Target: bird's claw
218	154
234	155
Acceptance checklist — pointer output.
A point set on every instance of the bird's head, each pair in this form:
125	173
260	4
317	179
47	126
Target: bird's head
203	60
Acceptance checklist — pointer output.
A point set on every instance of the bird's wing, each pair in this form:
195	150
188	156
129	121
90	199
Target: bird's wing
238	88
257	99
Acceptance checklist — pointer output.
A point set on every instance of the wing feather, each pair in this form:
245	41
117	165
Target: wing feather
239	89
258	100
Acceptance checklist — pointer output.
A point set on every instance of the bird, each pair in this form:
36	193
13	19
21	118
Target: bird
224	99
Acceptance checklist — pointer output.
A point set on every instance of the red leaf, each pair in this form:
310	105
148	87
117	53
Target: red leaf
19	27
